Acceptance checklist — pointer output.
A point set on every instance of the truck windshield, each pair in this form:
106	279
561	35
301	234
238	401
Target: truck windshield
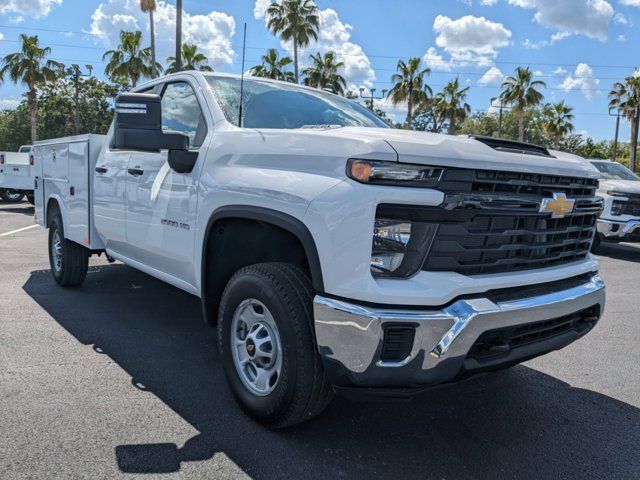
615	171
278	105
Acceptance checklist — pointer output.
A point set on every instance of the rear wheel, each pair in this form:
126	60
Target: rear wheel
69	260
267	346
10	196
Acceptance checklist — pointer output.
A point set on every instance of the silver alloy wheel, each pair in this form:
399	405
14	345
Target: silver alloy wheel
56	251
256	347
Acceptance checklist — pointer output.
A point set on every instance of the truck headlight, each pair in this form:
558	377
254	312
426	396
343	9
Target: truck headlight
391	173
399	247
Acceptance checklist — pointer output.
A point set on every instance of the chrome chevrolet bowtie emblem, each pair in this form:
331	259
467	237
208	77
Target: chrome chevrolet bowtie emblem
558	206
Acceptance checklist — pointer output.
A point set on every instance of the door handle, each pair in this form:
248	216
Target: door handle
136	171
101	169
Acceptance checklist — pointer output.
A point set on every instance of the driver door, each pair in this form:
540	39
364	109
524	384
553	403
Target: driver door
161	203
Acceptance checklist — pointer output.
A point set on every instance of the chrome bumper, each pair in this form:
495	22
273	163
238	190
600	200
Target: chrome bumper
617	230
350	336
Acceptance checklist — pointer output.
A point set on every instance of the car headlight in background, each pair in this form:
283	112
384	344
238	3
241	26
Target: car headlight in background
375	172
617	207
399	246
613	193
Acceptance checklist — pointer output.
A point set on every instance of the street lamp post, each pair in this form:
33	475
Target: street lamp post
618	113
75	74
371	97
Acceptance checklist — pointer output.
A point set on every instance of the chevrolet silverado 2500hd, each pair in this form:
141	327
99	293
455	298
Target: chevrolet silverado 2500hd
331	251
16	179
620	189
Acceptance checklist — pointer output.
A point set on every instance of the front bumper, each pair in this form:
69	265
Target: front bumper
619	229
350	337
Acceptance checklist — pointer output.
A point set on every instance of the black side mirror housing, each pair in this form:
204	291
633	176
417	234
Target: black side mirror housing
138	125
182	161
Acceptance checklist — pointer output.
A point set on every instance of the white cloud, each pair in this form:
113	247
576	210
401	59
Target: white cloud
32	8
9	103
620	19
435	61
488	3
586	17
559	71
622	38
493	76
630	3
582	79
212	32
334	35
470	39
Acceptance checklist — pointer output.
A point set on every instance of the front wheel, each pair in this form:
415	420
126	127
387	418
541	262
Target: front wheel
267	346
69	260
10	196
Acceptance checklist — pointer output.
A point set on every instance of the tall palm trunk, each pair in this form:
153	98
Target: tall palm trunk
521	124
409	108
452	125
634	142
179	35
32	101
152	31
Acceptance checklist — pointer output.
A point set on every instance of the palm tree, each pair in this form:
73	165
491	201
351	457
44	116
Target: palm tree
191	60
297	21
30	67
178	57
273	66
324	73
409	86
149	6
521	91
557	118
625	97
451	104
129	62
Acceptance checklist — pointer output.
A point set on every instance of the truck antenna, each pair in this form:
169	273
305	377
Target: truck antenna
244	49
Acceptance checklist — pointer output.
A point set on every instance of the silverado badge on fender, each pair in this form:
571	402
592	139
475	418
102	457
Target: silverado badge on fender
558	206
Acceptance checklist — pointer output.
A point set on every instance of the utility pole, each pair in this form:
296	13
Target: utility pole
618	114
178	35
501	106
75	74
372	96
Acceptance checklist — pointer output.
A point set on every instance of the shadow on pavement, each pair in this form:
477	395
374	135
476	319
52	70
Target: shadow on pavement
25	209
519	423
620	251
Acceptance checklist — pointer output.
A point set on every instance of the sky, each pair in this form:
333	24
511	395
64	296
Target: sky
577	47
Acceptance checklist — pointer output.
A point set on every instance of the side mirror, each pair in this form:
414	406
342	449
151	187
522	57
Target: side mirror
138	125
182	161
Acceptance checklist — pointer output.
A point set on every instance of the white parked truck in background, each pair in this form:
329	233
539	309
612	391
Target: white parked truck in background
16	175
332	252
620	189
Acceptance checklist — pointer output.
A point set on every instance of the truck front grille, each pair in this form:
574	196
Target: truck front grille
501	341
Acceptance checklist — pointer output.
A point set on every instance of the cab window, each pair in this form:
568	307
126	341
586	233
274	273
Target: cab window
181	112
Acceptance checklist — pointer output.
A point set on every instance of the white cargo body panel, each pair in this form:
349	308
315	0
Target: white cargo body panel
15	171
64	173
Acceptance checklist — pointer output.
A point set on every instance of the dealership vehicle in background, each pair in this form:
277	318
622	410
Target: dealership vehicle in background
620	189
16	175
331	251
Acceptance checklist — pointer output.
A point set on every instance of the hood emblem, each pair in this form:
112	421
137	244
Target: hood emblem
559	206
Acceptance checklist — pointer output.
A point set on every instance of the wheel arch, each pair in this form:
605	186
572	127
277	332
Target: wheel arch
285	222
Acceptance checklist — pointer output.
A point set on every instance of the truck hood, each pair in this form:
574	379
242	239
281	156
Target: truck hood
627	186
463	152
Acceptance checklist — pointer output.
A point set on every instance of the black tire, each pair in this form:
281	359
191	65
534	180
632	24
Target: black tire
31	199
11	196
70	269
302	390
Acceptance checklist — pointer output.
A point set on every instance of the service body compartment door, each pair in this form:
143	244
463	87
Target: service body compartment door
38	153
77	194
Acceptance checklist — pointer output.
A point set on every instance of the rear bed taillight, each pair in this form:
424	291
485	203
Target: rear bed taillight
32	160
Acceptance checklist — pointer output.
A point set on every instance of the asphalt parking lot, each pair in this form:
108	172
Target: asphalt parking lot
121	377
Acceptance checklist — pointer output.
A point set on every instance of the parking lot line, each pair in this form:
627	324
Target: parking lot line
18	230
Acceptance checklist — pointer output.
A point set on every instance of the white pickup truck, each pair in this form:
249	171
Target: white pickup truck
620	189
16	175
332	252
